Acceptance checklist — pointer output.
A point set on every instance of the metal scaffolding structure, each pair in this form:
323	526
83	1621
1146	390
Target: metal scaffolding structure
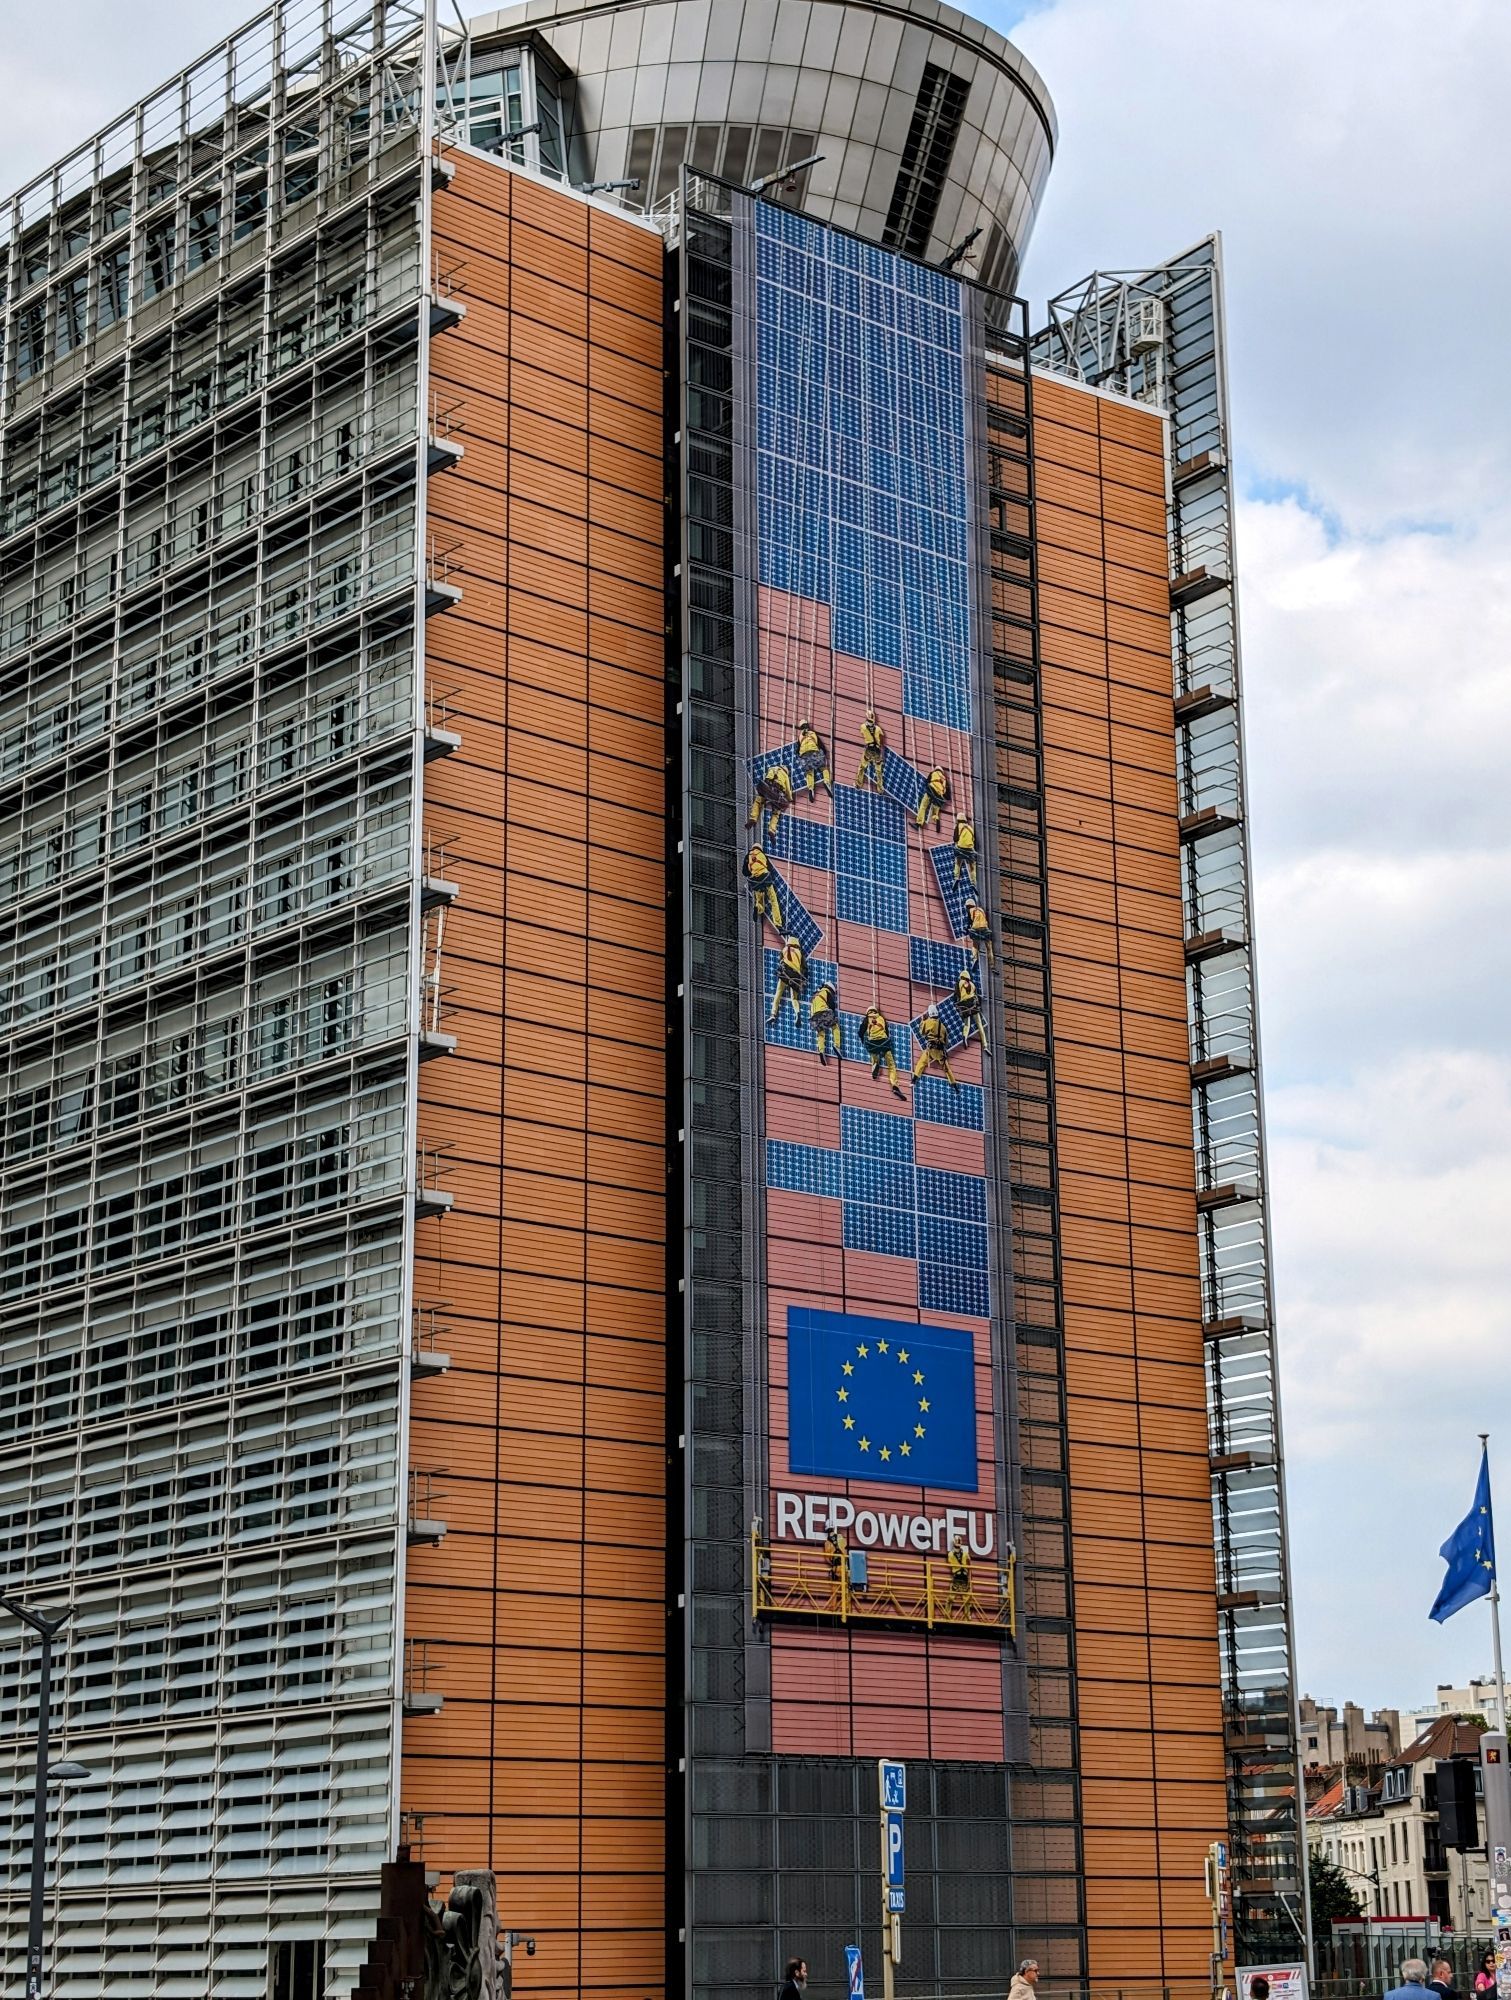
213	452
1158	336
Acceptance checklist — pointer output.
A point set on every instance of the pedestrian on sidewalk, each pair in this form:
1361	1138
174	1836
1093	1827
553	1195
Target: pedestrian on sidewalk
1025	1980
1413	1984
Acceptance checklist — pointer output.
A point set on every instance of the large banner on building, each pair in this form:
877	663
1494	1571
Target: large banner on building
872	912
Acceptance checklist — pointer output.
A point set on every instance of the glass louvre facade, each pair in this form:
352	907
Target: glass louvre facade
209	739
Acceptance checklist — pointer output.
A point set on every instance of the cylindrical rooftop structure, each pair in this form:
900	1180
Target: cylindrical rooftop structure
931	125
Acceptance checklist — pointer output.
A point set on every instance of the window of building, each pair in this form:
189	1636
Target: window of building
31	340
158	260
73	312
496	107
204	233
115	275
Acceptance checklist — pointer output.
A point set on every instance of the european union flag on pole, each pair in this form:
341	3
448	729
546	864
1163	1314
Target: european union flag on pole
1469	1553
881	1399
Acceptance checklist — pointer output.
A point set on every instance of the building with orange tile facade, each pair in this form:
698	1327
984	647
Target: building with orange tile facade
673	1193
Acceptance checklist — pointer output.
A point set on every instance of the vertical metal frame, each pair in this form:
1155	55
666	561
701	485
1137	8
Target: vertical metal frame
1008	344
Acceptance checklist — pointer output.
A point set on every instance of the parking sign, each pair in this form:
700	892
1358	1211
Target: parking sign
893	1843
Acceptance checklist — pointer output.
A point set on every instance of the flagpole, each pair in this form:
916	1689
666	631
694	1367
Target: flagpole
1495	1608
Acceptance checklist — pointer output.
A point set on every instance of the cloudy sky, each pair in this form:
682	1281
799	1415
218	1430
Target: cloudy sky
1356	156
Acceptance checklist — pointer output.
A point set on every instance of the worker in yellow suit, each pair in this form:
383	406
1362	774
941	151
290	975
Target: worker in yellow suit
836	1555
773	797
960	1568
791	978
823	1018
762	879
979	931
968	1000
936	1041
936	792
873	743
813	759
963	840
876	1040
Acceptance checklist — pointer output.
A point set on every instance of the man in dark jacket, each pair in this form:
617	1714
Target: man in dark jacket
1441	1981
796	1980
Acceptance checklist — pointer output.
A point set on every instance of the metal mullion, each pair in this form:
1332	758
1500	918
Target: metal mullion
277	114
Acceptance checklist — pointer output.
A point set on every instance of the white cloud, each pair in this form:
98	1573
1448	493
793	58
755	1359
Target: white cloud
1380	703
1356	158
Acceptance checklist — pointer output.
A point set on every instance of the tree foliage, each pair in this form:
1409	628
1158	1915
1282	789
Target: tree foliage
1333	1894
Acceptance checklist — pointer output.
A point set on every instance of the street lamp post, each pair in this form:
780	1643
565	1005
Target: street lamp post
47	1625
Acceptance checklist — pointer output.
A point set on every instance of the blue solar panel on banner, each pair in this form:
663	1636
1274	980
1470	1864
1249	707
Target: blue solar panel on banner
869	814
796	921
939	1192
940	965
955	895
796	1169
900	781
807	841
871	904
875	1134
954	1024
936	1104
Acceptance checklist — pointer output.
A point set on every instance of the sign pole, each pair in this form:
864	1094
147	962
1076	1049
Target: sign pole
1501	1722
892	1797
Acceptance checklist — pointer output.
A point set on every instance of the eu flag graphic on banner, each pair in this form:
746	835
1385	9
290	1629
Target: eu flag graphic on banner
881	1399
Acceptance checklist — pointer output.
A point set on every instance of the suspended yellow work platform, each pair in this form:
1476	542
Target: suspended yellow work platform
800	1581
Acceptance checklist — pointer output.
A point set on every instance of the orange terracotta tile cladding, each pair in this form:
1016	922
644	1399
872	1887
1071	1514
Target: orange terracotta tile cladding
544	1604
1145	1617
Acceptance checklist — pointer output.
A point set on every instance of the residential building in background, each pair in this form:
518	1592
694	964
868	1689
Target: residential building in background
634	1174
1480	1698
1388	1840
1328	1738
